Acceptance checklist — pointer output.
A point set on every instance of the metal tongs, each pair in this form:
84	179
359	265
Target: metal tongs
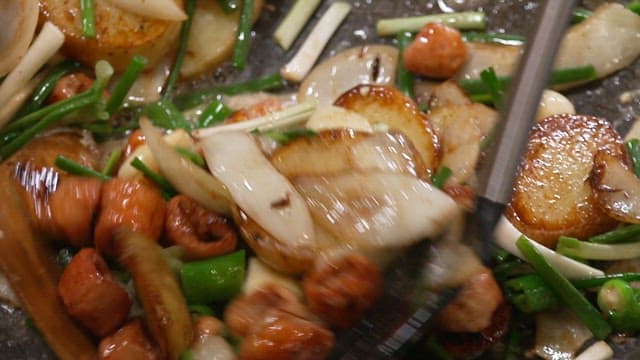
390	327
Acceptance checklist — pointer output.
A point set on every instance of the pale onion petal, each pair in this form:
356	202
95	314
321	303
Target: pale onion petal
260	275
559	334
552	103
19	19
212	348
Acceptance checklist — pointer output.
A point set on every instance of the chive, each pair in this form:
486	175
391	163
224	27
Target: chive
476	87
243	36
185	30
491	82
228	6
460	20
634	6
268	82
123	86
592	251
505	39
215	113
598	281
405	80
633	149
166	115
564	290
201	310
290	27
191	156
74	168
620	235
440	178
112	161
580	15
284	137
530	294
88	18
45	88
164	185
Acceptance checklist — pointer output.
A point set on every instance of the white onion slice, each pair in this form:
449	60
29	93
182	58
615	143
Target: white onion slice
258	188
184	175
334	117
598	351
260	275
155	9
377	210
6	292
212	348
552	103
559	334
19	19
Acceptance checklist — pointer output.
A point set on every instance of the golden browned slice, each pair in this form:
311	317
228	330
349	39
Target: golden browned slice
336	151
119	34
388	106
552	195
616	188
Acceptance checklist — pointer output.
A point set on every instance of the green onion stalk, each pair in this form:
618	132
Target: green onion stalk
620	304
216	279
405	80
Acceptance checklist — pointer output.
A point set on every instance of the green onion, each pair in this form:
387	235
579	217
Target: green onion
491	82
529	294
620	303
290	27
64	256
189	7
505	39
228	6
191	156
45	88
620	235
592	251
284	137
633	149
440	178
564	290
166	115
243	36
598	281
186	355
405	80
166	188
112	161
580	15
634	6
74	168
268	82
202	310
88	18
216	279
123	86
214	114
470	20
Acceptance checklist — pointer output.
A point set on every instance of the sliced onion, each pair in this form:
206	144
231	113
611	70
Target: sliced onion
6	292
376	210
259	275
334	117
446	256
258	188
559	334
19	19
616	188
155	9
552	103
184	175
212	348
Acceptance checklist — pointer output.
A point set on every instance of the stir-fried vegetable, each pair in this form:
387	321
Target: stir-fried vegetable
461	20
213	280
620	303
297	17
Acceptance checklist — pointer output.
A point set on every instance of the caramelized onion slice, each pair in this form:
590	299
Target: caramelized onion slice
377	210
616	188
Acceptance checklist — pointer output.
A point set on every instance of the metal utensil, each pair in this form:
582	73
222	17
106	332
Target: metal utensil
381	335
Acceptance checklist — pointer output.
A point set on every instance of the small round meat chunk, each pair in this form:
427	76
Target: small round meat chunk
131	204
130	342
438	51
91	295
281	335
69	86
200	232
205	326
341	292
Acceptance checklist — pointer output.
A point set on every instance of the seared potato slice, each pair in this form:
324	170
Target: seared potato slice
387	105
552	195
119	34
337	151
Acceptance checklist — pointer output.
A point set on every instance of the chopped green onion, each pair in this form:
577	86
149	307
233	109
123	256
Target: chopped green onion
201	310
504	39
491	82
592	251
74	168
123	86
598	281
191	156
228	6
286	136
185	30
216	279
633	149
167	190
298	16
440	178
191	100
112	161
620	304
88	18
529	294
580	15
45	88
470	20
634	6
564	290
243	36
620	235
405	80
166	115
214	114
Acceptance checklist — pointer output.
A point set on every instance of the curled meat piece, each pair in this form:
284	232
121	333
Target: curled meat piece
204	326
281	335
129	342
340	292
69	86
473	307
438	51
91	295
132	204
248	309
200	232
